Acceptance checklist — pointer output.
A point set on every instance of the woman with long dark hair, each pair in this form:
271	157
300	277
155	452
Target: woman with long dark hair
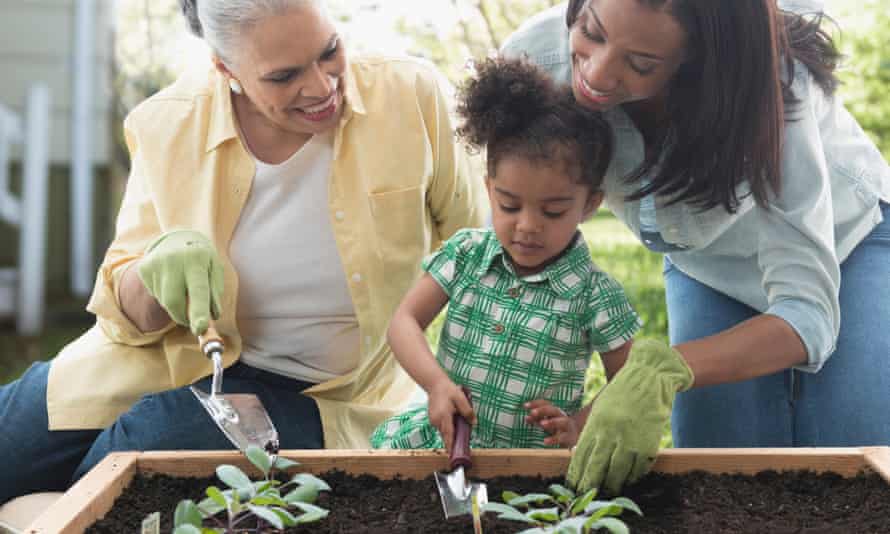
734	158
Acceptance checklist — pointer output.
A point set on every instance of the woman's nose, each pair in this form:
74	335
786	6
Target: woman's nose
598	72
319	84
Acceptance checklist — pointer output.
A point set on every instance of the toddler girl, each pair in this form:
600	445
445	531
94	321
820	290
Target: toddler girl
526	305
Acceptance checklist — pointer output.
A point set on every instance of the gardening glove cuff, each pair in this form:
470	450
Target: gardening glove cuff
663	360
183	272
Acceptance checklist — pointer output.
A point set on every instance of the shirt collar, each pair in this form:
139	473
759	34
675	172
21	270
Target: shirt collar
567	276
222	117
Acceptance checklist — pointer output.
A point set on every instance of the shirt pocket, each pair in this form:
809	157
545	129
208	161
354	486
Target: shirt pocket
402	229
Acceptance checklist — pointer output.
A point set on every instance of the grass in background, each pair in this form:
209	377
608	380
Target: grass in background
18	353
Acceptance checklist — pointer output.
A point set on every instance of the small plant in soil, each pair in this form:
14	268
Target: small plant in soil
253	506
561	511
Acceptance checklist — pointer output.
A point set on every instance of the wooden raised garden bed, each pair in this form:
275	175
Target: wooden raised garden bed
94	495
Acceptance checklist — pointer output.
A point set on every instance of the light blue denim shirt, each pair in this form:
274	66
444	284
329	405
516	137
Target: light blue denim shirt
783	261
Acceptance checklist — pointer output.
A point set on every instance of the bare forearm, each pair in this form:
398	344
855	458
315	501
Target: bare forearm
411	349
614	359
137	303
759	346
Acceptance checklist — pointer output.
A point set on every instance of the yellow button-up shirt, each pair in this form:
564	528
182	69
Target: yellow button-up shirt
398	176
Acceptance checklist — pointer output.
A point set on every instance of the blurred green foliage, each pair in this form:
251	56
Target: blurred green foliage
865	41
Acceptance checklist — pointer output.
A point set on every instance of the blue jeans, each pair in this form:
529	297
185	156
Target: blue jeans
36	459
847	403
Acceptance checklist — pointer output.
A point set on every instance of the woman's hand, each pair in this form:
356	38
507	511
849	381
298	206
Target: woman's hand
446	399
183	272
563	428
620	439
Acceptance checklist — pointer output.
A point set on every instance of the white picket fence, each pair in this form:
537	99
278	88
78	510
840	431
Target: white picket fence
22	289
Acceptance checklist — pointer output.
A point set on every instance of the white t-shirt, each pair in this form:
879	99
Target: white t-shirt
295	314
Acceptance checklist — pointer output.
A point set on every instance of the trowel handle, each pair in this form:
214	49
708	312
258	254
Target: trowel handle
212	346
460	449
211	341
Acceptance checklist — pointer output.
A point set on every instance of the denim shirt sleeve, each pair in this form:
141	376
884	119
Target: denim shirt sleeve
796	242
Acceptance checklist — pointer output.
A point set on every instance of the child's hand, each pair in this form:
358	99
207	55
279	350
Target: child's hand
445	400
563	428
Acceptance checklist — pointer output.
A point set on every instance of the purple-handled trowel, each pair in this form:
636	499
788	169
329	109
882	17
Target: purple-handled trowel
459	496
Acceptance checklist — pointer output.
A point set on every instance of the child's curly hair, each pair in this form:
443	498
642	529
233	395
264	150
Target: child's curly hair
511	107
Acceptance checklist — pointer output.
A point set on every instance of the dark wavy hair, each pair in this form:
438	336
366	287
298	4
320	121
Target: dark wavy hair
513	108
728	103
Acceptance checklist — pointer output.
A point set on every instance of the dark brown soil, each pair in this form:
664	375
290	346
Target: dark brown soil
778	503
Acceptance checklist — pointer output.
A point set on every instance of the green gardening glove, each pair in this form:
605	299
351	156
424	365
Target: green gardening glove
622	434
183	272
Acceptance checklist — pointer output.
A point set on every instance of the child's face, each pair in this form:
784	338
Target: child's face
536	209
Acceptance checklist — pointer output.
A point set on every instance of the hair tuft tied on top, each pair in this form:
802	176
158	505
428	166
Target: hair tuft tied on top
504	97
513	108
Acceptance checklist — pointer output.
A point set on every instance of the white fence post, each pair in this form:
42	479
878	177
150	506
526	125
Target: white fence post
82	132
35	185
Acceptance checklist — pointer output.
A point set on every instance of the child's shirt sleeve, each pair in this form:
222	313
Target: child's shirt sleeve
446	264
613	321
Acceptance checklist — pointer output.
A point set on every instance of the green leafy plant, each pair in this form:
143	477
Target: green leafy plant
562	512
253	506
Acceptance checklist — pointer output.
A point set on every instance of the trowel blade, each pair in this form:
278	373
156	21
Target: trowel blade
242	418
457	494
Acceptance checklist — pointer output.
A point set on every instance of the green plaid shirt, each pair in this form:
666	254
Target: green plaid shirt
511	340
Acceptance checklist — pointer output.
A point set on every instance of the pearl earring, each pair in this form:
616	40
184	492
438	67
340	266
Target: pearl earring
235	86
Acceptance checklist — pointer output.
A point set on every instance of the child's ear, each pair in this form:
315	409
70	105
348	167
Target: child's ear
593	202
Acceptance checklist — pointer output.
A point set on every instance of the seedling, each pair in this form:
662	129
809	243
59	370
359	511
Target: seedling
253	506
562	512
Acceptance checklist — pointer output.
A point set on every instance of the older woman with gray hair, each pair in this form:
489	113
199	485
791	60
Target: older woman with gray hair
288	193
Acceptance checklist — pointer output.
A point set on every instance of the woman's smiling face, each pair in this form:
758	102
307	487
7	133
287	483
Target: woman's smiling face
623	51
291	67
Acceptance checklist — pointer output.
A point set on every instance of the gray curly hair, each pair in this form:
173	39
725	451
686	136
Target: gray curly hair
222	22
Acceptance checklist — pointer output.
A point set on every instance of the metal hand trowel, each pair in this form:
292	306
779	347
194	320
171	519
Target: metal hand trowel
459	496
241	416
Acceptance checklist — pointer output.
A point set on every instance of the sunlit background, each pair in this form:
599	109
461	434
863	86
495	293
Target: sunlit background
142	45
151	32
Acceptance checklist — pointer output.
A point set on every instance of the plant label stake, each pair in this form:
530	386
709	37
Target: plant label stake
458	496
241	417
